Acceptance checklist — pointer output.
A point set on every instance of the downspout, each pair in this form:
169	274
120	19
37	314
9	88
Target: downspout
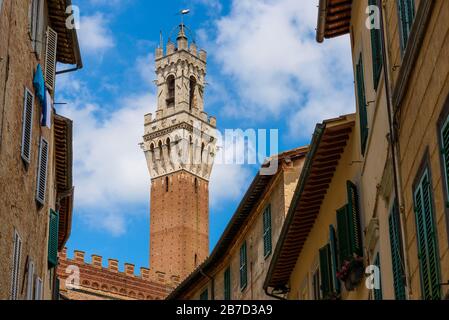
394	152
322	11
273	295
212	283
68	70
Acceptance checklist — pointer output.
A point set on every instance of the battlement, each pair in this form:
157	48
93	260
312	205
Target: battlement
109	281
182	45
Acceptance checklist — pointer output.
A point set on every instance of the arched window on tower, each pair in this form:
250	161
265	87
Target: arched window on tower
166	184
192	100
196	185
169	147
170	91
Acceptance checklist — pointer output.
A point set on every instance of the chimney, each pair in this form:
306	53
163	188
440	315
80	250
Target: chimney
79	256
63	254
129	269
145	273
113	265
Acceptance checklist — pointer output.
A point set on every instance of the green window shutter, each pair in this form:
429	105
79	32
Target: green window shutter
396	256
325	271
376	48
204	295
445	151
243	267
427	243
361	98
406	13
334	259
378	292
344	243
53	239
227	284
267	243
355	232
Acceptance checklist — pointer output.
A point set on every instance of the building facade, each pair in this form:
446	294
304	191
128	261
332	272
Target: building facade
239	262
35	146
401	84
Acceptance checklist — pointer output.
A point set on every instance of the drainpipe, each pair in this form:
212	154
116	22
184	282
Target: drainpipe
68	70
395	152
271	294
212	283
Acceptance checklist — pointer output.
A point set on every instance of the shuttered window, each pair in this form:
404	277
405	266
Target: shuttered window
444	139
396	253
38	289
376	49
406	12
348	227
30	280
227	284
427	239
378	292
334	259
267	243
36	24
361	99
50	58
42	172
243	267
204	295
326	271
53	239
15	276
27	125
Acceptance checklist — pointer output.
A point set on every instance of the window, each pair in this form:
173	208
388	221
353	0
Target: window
204	295
378	292
243	267
42	172
53	239
27	125
406	11
316	284
267	243
325	271
30	280
361	98
50	58
227	284
396	253
376	48
36	24
192	99
166	184
444	145
171	91
15	276
348	224
426	234
1	3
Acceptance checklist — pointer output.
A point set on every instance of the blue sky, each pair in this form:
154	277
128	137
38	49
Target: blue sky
265	71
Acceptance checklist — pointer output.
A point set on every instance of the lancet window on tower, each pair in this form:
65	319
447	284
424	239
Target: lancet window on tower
192	100
171	91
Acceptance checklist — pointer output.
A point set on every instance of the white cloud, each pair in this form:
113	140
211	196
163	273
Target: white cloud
94	34
268	49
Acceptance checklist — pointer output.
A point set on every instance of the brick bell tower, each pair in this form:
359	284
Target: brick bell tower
179	145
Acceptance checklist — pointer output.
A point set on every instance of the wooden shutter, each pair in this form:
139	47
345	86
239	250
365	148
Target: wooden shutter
444	136
376	49
344	242
361	98
378	292
227	284
406	13
27	125
17	253
243	267
325	271
30	280
427	243
267	242
38	289
334	259
42	172
50	58
53	239
396	256
354	222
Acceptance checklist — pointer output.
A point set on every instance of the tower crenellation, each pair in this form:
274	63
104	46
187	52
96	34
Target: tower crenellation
179	146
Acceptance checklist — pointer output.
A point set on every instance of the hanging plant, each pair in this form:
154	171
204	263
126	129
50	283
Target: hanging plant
351	272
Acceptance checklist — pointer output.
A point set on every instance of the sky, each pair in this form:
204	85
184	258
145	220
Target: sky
265	71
